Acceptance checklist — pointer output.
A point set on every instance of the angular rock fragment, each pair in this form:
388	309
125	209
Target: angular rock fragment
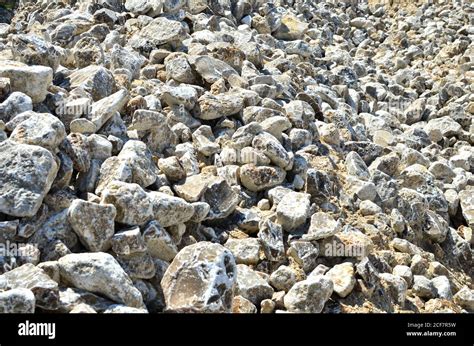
26	175
17	301
27	276
251	286
30	80
201	278
262	177
309	296
100	273
93	223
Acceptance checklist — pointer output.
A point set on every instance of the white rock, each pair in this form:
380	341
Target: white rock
201	278
100	273
309	296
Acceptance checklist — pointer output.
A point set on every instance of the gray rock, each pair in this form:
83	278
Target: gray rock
404	272
182	96
443	287
127	59
159	243
96	80
170	31
100	273
29	277
178	68
93	224
169	210
309	296
322	226
216	106
304	253
26	175
201	278
466	198
283	278
134	206
211	69
396	287
17	301
271	237
252	286
221	198
30	80
262	177
423	287
356	166
245	251
343	278
41	129
465	298
104	109
272	148
15	104
32	50
293	210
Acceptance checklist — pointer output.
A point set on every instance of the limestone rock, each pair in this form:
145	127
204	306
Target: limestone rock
26	175
100	273
201	278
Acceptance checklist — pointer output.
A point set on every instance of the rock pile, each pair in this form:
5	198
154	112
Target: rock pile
236	156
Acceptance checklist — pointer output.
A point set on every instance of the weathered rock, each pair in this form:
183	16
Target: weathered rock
104	109
201	278
133	205
96	80
26	175
272	148
343	278
30	80
29	277
170	31
241	305
423	287
17	301
221	199
245	251
262	177
443	287
304	253
283	278
309	296
169	210
216	106
158	242
100	273
465	298
211	70
396	287
466	198
93	224
293	210
252	286
41	129
322	226
291	28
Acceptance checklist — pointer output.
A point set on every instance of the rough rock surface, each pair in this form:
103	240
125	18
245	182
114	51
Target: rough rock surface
201	278
100	273
237	156
26	175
